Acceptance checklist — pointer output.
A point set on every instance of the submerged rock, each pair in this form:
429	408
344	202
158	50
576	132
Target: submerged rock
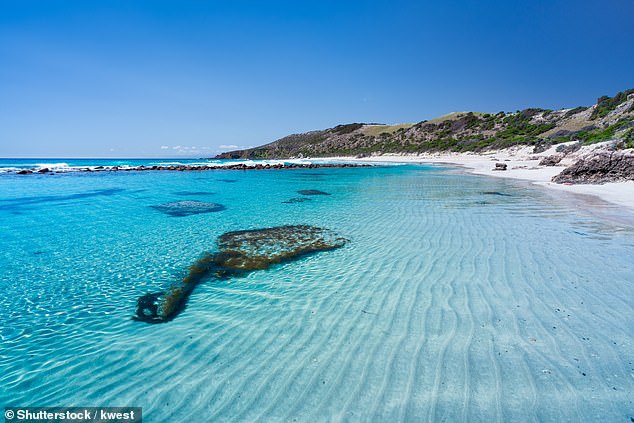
239	252
188	207
501	194
608	166
311	192
295	200
261	248
188	193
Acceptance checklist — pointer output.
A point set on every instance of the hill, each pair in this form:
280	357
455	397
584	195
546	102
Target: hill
611	118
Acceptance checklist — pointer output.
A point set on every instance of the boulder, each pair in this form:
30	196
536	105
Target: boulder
551	160
500	166
606	166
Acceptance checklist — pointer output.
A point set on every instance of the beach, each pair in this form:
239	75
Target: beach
449	296
317	212
522	164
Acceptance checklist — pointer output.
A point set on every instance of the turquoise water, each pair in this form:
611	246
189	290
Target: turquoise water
458	298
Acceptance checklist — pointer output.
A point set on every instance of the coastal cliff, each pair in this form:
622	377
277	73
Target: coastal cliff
610	119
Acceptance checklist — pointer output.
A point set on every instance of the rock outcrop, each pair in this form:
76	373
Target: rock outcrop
238	253
602	167
551	160
205	167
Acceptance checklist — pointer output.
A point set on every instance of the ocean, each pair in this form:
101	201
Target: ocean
455	298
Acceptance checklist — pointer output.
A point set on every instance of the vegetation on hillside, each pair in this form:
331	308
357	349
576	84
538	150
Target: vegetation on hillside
606	104
612	118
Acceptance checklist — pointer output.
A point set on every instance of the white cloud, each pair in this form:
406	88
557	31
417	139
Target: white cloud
184	149
227	147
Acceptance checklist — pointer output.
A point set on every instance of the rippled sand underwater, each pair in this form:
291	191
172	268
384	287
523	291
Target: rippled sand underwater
456	298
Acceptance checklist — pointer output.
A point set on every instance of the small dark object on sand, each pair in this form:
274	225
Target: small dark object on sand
311	192
500	166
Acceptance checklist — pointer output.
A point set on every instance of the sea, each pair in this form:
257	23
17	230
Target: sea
456	297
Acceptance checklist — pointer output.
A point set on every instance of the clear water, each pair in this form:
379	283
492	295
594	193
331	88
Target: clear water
450	303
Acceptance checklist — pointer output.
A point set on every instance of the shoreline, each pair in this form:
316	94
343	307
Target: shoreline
276	165
521	163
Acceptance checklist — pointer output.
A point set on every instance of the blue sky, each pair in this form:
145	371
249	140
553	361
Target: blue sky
170	78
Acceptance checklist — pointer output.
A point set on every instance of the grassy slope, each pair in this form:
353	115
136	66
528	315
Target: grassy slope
612	118
374	130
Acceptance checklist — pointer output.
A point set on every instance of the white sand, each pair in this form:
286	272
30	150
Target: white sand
521	163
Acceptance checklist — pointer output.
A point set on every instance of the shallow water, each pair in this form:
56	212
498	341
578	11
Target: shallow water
450	302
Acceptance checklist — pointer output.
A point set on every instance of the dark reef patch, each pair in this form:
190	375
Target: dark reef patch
311	192
501	194
193	193
296	200
188	208
239	252
13	203
261	248
313	173
314	176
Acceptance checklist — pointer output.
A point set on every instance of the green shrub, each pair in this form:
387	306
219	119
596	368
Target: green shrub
599	135
606	104
629	139
346	129
574	111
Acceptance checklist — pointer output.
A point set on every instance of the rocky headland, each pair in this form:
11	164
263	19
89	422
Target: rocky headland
183	168
596	141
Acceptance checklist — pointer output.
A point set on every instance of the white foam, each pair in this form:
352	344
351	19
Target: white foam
54	166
